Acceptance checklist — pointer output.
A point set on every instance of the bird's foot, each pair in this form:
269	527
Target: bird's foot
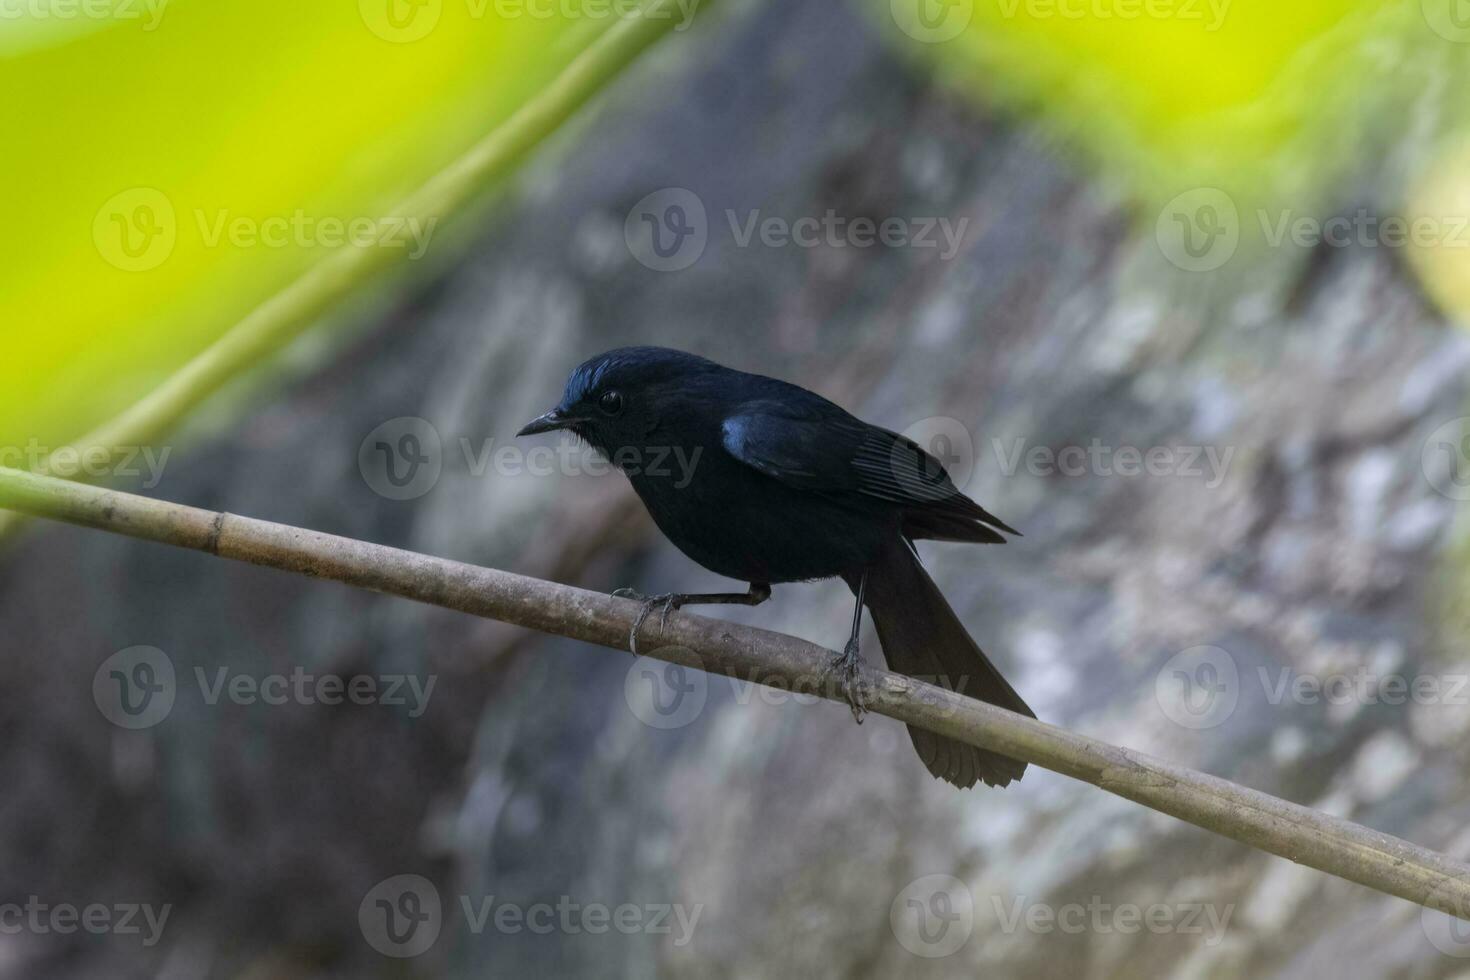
668	601
846	664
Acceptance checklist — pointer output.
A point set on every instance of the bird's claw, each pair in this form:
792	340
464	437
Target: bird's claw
669	601
847	663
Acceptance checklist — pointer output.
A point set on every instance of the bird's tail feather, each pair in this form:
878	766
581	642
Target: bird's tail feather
922	637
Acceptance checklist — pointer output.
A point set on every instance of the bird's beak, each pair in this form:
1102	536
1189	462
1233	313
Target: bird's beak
550	422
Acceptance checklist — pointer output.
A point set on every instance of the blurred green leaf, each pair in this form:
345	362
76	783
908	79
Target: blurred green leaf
170	165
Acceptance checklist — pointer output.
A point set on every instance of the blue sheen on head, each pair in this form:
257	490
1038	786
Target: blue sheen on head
630	367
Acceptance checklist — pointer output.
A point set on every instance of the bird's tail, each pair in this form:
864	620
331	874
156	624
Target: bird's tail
923	638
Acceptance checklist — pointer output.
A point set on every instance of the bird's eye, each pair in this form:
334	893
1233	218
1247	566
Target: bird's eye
611	403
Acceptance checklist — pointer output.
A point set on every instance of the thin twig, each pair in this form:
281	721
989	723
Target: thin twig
1339	847
290	312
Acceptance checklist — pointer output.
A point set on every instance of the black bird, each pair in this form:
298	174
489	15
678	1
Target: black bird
781	485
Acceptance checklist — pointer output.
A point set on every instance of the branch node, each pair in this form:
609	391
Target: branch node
216	528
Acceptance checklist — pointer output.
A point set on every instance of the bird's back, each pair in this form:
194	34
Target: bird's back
785	485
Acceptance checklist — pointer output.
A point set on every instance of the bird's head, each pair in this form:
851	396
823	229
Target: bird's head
616	400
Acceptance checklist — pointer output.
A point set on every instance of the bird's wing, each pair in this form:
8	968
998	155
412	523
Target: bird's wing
823	449
798	448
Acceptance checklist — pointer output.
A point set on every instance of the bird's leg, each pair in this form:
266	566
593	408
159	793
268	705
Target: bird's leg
669	601
849	660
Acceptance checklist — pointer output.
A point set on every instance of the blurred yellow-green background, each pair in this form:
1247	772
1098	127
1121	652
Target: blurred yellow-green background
171	164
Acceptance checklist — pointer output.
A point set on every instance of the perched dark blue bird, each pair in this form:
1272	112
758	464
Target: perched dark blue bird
785	486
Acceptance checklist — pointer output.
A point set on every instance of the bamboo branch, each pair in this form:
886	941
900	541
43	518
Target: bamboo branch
1338	847
290	312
